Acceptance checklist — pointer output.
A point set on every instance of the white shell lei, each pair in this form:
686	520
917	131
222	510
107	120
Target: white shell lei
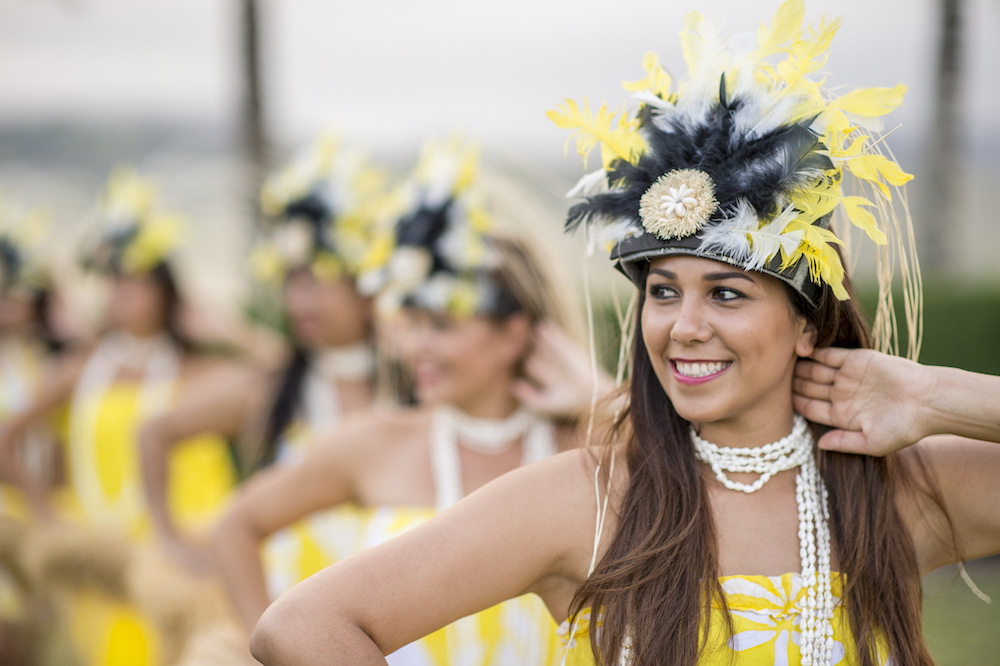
795	450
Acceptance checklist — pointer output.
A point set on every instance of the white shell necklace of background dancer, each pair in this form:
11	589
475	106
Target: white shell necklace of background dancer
794	450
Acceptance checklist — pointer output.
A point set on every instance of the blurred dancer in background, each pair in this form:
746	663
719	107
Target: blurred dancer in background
27	343
483	314
325	240
135	372
27	338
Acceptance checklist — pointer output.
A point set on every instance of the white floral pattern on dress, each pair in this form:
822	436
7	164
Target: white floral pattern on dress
772	618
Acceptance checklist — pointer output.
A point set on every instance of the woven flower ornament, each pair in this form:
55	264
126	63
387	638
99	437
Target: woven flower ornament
22	234
443	256
326	215
137	236
745	162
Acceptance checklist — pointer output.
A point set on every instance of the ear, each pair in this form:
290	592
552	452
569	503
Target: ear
806	342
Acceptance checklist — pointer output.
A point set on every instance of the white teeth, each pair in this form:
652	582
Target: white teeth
699	369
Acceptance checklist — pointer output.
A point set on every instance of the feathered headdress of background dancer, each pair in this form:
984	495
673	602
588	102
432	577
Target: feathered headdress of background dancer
748	161
444	259
136	235
22	233
326	215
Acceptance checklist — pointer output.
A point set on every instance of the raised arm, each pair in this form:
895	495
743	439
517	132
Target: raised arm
216	402
880	404
529	531
275	498
57	390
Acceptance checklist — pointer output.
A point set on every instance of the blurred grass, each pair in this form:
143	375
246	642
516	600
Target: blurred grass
961	629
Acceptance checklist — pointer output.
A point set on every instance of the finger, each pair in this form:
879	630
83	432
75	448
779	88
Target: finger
526	393
845	441
810	389
831	356
816	372
817	411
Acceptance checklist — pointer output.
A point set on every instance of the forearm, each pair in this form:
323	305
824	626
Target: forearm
10	438
154	447
236	549
963	403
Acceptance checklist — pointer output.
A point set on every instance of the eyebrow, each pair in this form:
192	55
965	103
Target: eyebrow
710	277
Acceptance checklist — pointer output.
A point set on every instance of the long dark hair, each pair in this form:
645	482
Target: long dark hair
163	275
286	401
660	575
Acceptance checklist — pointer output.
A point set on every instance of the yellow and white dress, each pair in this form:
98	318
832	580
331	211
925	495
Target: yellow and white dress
105	484
765	611
315	542
518	632
20	380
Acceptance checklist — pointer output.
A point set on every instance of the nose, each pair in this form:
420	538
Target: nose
691	325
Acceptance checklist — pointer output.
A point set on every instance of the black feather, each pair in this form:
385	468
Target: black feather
761	169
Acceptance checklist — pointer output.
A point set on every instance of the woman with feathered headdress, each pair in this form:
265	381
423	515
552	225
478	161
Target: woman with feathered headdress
138	367
725	522
324	241
481	315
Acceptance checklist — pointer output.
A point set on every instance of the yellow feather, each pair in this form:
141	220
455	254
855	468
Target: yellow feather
657	79
617	140
806	55
688	36
870	102
785	27
871	167
863	219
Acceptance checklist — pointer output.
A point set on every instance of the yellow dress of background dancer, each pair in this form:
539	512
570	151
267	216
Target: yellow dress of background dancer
107	632
313	543
765	612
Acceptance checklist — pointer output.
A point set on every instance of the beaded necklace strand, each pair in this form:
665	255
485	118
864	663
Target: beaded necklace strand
794	450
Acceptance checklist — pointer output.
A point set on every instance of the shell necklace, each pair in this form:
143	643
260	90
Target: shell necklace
451	428
320	398
794	450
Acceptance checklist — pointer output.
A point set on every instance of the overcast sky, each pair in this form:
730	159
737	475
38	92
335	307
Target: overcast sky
389	71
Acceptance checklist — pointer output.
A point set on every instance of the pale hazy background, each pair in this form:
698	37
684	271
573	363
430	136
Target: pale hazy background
85	84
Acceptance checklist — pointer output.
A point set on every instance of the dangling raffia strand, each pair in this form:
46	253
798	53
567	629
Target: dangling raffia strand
794	450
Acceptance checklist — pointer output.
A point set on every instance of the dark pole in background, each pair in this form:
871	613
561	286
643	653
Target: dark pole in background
253	140
941	215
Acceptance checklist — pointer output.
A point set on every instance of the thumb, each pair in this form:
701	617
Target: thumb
845	441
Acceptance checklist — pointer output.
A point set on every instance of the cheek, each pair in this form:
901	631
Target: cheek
655	333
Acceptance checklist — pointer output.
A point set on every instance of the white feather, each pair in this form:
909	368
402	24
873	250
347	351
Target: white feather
649	99
610	234
701	90
595	182
768	240
729	236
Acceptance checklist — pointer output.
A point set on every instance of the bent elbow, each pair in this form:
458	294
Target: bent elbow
273	642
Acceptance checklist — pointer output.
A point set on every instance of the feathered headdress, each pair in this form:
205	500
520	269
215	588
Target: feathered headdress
21	236
744	162
326	213
444	258
136	235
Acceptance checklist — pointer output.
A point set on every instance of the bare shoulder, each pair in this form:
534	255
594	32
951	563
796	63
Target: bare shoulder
370	433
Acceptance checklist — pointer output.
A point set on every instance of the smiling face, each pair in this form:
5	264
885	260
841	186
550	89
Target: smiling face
326	313
723	342
466	362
